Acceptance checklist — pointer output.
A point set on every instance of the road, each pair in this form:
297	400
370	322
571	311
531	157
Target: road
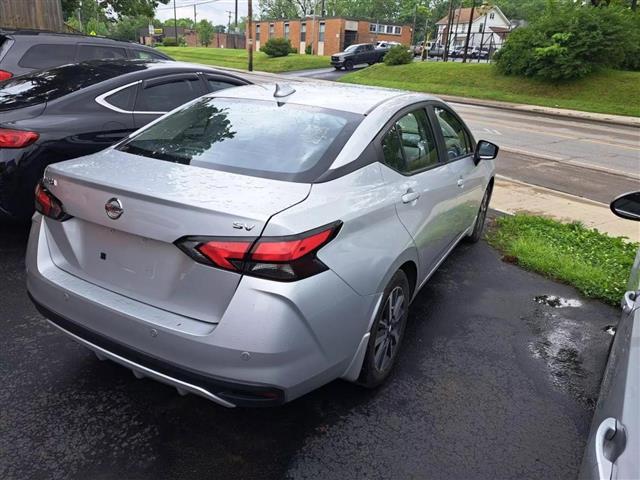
490	384
592	160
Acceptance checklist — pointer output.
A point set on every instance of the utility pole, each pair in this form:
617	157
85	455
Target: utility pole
195	22
466	42
634	5
229	12
80	16
486	14
235	22
250	33
175	22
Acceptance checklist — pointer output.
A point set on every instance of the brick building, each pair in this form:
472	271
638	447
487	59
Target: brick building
329	35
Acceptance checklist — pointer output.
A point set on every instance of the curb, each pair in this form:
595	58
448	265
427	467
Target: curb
600	118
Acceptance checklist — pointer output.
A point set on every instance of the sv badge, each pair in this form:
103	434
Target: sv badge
240	226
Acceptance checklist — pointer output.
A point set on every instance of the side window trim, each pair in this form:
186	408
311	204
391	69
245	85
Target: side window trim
102	99
433	118
206	76
392	125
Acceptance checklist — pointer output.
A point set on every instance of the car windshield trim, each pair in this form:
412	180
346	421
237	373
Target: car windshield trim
185	147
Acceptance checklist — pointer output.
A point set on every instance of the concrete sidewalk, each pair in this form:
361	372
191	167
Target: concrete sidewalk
511	196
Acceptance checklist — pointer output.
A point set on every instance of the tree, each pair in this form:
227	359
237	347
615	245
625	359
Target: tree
181	22
119	7
219	28
205	31
128	28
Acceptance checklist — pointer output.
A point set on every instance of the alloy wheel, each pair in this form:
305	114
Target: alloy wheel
389	329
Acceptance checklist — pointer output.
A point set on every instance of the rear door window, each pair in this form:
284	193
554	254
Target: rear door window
410	145
146	55
165	95
94	52
48	55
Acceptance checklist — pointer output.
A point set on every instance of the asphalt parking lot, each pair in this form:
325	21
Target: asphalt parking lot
493	382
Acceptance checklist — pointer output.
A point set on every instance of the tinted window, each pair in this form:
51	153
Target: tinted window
412	147
146	55
40	87
215	85
166	96
124	98
93	52
46	56
248	137
457	141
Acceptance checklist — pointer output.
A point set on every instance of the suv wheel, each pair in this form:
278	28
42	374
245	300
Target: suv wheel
348	65
387	332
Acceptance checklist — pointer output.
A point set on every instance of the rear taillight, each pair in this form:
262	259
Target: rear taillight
4	75
16	138
48	205
278	258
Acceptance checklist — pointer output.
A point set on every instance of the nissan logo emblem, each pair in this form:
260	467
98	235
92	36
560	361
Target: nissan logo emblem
113	208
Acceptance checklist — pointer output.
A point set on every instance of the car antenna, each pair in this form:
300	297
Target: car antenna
283	90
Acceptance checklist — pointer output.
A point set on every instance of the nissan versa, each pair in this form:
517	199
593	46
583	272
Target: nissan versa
259	242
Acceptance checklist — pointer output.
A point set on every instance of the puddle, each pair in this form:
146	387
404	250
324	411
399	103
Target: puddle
557	302
610	329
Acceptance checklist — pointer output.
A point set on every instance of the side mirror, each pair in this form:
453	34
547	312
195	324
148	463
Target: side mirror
486	150
627	206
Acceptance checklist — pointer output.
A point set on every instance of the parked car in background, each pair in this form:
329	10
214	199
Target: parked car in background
436	50
23	51
614	441
261	241
74	110
477	52
357	54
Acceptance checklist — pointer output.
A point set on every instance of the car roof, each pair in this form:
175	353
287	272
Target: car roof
335	96
72	37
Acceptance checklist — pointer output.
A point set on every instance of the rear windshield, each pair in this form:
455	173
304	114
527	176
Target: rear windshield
259	138
44	86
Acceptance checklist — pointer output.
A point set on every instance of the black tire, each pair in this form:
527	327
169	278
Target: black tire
338	68
478	227
348	65
386	337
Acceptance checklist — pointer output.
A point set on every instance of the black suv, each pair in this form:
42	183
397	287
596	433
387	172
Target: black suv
22	51
357	54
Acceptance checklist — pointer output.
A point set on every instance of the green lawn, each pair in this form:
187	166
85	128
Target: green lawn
227	57
596	264
609	91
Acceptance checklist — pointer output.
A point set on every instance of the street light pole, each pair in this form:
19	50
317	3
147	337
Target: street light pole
175	22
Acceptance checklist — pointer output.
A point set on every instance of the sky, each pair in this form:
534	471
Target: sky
213	10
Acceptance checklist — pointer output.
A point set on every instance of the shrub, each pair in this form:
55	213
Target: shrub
307	49
277	47
570	41
170	42
398	55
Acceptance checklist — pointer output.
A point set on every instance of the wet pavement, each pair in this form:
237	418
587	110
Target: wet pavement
497	379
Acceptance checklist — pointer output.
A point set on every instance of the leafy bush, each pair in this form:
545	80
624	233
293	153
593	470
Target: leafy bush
277	47
307	49
570	41
169	42
398	55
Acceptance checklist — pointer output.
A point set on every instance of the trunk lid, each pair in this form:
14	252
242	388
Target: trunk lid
134	255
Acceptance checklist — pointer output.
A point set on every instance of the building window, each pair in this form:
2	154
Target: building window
303	32
397	30
492	15
321	32
480	27
286	30
257	32
272	29
373	28
385	29
389	28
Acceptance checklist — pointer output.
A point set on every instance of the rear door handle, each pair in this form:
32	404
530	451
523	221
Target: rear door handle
410	197
611	440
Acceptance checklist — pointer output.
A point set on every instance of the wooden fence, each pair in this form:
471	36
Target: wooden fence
33	14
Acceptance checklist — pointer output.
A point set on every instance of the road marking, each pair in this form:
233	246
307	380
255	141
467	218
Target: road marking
492	131
558	193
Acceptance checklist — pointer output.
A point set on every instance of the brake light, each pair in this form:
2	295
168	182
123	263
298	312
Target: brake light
278	258
48	205
16	138
4	75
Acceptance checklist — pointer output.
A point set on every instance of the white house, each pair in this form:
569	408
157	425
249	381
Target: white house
489	27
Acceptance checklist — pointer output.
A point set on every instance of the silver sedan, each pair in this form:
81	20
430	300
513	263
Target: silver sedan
261	241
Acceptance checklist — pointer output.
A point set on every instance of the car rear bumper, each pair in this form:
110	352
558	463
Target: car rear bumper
275	342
